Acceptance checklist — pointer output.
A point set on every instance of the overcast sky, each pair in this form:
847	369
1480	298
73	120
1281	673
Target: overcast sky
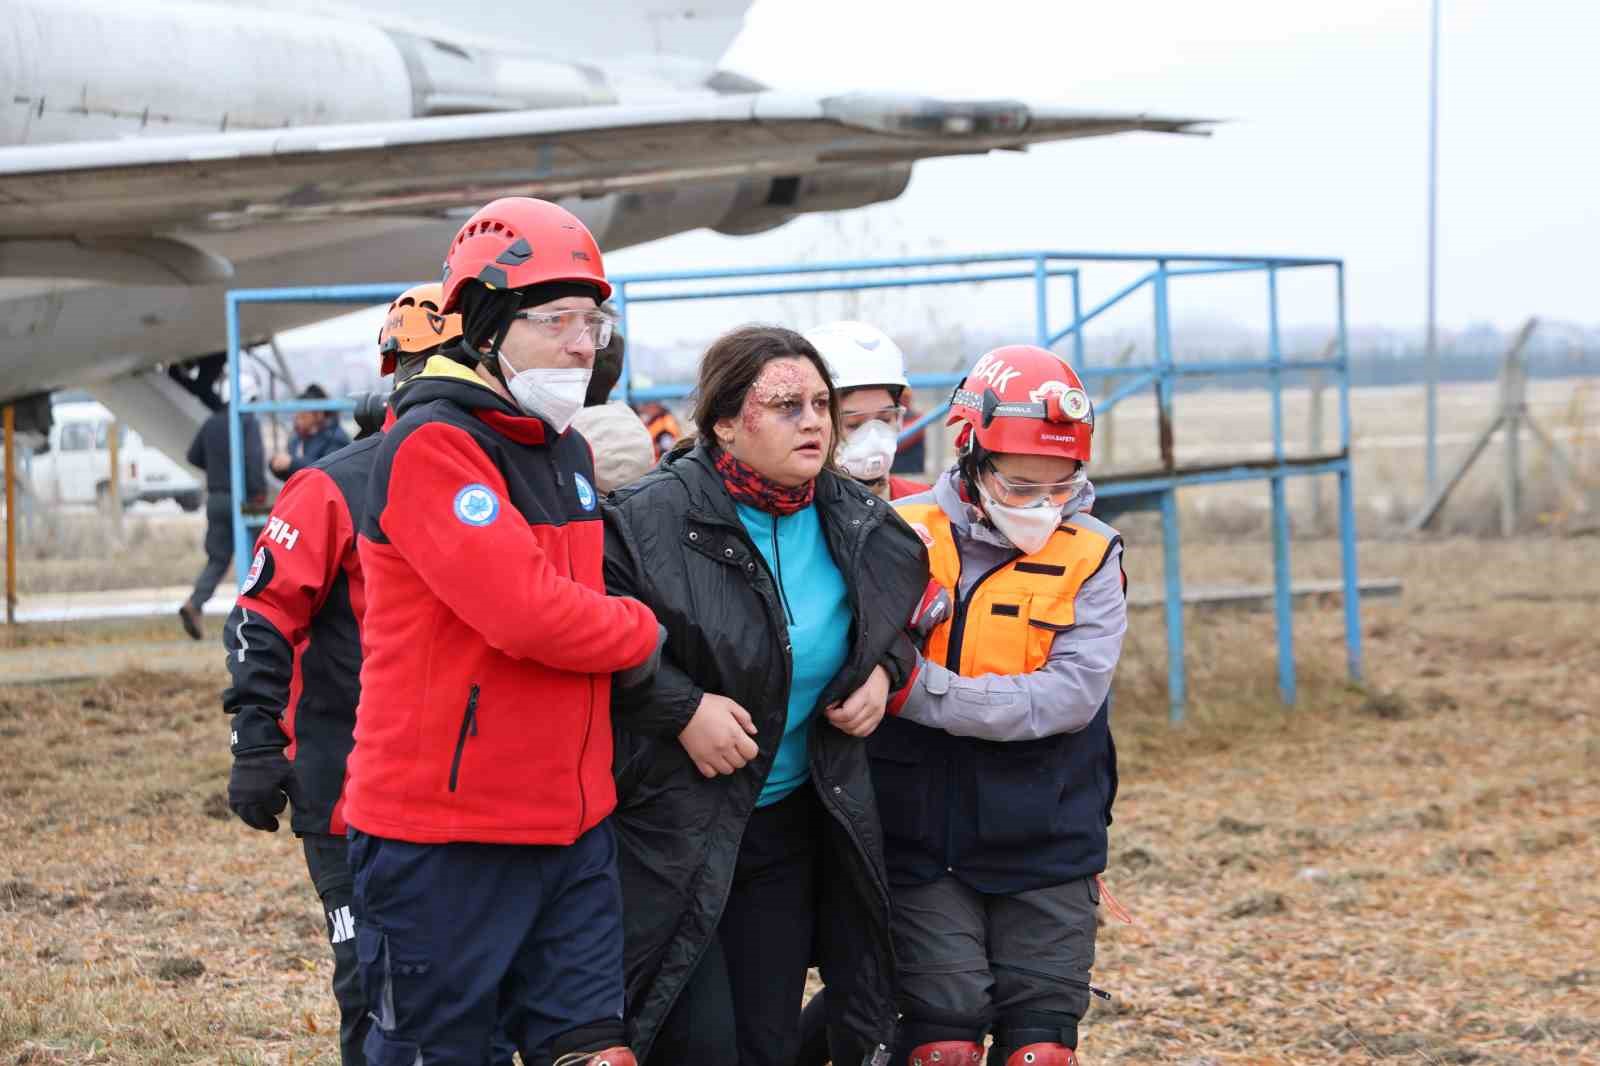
1324	151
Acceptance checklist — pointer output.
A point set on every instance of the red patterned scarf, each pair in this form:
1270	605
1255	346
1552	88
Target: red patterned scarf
752	489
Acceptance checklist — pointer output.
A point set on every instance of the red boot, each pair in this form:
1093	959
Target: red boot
611	1056
1043	1055
946	1053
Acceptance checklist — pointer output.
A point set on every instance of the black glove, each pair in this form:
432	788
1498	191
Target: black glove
258	788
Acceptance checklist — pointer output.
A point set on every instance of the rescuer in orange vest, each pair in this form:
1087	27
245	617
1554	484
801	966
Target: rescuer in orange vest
995	771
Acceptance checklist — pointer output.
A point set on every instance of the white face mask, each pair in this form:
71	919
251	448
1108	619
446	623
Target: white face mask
868	453
555	395
1028	528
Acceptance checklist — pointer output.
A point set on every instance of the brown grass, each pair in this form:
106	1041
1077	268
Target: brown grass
1399	871
77	550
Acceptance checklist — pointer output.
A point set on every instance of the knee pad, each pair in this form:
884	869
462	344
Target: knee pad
1040	1055
1035	1038
602	1043
945	1053
954	1040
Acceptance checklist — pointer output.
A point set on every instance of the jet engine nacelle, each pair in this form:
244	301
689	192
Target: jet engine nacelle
765	205
736	207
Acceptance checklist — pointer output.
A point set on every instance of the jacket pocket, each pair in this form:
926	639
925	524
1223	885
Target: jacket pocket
1012	633
1020	793
469	727
908	780
1048	617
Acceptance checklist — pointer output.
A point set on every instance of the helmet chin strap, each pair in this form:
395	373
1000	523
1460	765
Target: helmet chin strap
972	456
491	358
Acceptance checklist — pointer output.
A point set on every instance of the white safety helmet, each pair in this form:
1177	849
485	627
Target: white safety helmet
860	356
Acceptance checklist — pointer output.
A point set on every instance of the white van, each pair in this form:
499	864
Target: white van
76	468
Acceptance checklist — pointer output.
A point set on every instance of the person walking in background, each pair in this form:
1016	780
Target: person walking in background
661	424
480	785
869	370
748	831
294	655
209	451
317	435
996	770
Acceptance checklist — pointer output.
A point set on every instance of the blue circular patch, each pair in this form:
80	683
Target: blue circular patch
586	495
477	505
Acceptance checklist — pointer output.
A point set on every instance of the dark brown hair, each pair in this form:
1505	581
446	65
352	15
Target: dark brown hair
733	363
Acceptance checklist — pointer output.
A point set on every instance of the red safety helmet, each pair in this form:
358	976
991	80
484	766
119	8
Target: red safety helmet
1024	400
517	241
414	327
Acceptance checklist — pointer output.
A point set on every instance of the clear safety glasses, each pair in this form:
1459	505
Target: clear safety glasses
890	416
570	325
1015	493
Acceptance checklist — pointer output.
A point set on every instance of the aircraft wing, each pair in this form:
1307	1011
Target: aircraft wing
139	187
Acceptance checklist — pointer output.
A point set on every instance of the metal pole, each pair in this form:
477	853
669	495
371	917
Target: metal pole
1164	433
1314	445
1511	407
619	299
1347	503
1077	319
115	454
1170	536
1431	356
241	546
1282	601
11	513
1173	574
1041	302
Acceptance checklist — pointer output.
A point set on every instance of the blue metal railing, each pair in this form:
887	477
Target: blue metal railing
1040	268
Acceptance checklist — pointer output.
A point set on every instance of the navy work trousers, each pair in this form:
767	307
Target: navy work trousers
453	938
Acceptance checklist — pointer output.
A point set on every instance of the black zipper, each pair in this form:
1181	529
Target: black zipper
583	749
469	726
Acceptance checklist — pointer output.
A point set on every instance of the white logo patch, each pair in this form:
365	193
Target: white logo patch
341	925
257	564
996	372
281	532
477	505
586	496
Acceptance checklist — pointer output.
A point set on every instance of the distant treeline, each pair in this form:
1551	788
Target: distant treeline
1454	367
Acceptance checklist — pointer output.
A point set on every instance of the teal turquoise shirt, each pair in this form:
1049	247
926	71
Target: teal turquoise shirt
817	609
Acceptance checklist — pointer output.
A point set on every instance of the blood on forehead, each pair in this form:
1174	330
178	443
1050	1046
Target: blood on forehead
781	380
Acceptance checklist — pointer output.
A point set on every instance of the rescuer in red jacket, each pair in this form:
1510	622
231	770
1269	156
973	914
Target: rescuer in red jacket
294	653
480	783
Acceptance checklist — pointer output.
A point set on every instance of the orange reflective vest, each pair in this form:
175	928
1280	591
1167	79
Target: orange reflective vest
662	426
1013	613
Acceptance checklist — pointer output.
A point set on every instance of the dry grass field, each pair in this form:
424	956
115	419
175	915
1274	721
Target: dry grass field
1401	871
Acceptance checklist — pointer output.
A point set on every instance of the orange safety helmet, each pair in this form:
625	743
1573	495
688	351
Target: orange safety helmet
414	327
517	241
1023	400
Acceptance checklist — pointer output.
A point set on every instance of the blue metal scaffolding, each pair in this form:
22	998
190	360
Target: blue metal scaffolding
1154	490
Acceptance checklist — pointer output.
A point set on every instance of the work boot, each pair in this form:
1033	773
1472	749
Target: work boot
1043	1055
946	1053
189	615
611	1056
